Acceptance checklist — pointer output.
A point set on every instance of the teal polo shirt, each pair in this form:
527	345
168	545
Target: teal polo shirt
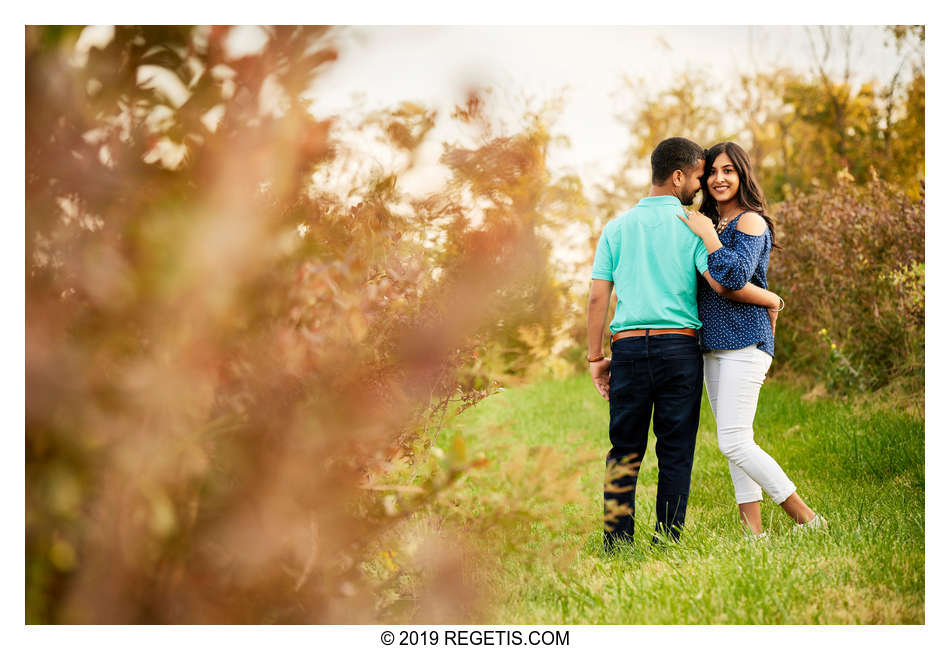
652	258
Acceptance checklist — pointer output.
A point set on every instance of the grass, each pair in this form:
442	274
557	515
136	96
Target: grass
536	503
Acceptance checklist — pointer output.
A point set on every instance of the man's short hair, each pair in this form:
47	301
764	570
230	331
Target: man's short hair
673	154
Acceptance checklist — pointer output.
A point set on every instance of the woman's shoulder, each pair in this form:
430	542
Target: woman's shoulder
751	223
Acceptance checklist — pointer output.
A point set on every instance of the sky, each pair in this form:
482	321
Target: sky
436	65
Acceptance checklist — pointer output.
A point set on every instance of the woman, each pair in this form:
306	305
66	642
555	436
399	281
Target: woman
738	338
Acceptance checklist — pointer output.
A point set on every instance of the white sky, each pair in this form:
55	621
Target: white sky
436	65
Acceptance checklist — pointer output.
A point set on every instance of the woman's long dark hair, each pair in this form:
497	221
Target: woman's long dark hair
750	196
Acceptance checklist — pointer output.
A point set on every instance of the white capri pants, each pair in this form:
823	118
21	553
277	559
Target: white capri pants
733	380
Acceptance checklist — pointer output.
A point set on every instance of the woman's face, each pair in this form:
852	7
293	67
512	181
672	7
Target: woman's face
723	181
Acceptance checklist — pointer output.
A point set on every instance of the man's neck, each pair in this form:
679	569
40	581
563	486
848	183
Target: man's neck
661	190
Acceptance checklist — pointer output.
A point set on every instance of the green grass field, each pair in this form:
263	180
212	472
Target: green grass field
540	493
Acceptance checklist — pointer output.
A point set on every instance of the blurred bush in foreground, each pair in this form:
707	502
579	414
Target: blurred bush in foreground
223	355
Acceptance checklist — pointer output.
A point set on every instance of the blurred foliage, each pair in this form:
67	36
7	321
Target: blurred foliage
229	338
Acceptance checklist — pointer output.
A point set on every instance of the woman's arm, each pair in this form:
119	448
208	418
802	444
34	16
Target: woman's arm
731	267
750	293
702	226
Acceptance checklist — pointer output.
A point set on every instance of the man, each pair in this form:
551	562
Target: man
652	258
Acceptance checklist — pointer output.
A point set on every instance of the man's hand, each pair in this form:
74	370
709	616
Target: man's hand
596	317
600	373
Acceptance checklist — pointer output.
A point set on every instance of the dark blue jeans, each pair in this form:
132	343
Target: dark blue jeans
663	376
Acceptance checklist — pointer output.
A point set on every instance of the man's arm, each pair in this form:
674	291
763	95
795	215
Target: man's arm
596	319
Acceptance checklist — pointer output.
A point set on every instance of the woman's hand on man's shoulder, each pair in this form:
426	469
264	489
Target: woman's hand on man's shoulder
752	223
699	223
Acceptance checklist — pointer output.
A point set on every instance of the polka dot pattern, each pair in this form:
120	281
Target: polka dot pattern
729	325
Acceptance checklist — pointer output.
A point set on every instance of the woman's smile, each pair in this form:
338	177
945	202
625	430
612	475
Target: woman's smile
723	181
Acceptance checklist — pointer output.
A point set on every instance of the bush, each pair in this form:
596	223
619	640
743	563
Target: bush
852	274
229	339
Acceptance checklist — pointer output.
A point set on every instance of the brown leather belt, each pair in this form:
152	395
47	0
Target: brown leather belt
628	333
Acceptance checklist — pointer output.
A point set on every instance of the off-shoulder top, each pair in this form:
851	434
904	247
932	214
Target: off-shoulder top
729	325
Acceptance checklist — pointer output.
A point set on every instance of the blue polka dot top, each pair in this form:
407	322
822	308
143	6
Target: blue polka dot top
729	325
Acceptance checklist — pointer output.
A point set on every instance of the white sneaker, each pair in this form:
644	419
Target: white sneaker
752	538
816	523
